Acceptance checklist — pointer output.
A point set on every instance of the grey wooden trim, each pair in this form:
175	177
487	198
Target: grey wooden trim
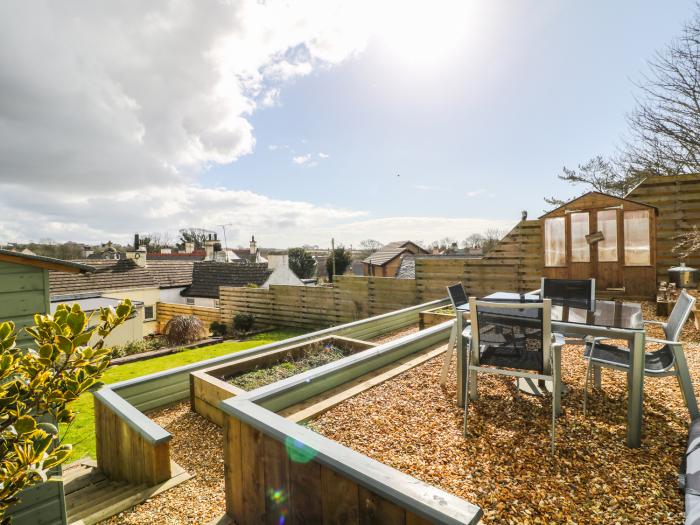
148	429
340	330
418	497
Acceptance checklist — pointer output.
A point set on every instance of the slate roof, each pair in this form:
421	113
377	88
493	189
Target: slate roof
122	274
407	268
208	276
171	273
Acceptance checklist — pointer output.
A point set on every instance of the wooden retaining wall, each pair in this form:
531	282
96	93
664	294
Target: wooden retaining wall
166	311
678	201
130	447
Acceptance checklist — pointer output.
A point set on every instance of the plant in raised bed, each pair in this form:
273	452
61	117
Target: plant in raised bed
183	329
38	384
318	354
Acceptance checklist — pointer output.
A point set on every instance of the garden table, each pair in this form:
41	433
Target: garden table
610	319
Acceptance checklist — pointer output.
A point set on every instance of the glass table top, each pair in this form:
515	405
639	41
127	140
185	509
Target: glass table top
608	314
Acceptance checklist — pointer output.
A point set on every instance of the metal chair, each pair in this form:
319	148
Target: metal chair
669	360
574	293
458	297
513	339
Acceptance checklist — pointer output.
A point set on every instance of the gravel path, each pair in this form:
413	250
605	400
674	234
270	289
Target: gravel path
413	425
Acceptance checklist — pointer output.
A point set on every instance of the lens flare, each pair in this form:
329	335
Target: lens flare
298	452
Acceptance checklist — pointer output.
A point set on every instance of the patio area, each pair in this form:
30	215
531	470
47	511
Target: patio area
413	425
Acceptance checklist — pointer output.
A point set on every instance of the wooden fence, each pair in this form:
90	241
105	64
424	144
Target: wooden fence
515	264
166	311
678	201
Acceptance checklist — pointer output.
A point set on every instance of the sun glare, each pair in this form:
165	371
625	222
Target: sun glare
425	33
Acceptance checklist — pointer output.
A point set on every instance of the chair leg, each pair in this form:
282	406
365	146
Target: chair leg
686	384
555	388
466	398
585	385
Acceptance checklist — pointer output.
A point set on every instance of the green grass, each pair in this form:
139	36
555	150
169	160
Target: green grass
81	432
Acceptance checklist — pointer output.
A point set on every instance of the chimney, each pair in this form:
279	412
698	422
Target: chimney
87	251
189	247
253	245
211	246
166	251
137	253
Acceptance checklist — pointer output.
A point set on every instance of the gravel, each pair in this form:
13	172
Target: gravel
412	424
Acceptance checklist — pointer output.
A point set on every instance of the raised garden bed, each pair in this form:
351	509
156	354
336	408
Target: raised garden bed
210	386
435	316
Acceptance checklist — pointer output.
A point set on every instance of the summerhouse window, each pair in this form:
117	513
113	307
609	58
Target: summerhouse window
607	224
637	238
580	250
555	241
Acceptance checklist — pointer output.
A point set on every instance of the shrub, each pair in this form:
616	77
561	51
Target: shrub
138	347
38	384
183	329
243	322
218	329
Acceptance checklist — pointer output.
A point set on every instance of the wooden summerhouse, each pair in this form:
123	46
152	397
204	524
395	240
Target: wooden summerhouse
608	238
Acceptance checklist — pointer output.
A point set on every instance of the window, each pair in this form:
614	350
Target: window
216	303
555	241
190	300
580	250
607	224
148	313
637	238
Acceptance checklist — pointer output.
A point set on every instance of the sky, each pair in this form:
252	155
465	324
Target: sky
302	121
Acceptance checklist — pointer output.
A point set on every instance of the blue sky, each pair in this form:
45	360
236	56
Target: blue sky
292	120
545	84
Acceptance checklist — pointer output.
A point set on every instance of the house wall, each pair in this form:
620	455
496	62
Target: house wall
131	330
148	296
281	274
172	295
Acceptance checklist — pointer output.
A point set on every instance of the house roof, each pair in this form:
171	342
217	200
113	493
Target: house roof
120	274
46	263
407	268
197	255
171	274
383	256
208	276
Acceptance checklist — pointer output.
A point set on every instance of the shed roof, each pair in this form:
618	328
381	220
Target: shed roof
120	274
208	276
593	195
46	263
383	256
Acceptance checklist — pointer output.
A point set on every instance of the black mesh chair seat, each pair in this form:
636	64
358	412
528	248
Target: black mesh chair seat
574	293
654	362
510	358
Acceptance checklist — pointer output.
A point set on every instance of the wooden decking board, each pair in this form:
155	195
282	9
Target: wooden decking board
93	498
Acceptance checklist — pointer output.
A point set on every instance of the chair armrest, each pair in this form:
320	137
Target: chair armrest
535	292
663	341
558	340
660	323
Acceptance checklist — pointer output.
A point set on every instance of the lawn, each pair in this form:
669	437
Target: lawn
81	432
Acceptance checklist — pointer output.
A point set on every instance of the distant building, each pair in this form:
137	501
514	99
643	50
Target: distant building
386	261
209	276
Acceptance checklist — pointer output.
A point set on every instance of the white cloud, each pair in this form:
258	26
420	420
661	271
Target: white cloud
97	99
323	155
425	187
475	193
301	159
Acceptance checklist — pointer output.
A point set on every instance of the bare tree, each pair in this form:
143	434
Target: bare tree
687	243
475	240
600	174
491	238
665	126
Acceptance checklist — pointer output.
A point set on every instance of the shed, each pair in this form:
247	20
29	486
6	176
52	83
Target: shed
24	291
611	239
